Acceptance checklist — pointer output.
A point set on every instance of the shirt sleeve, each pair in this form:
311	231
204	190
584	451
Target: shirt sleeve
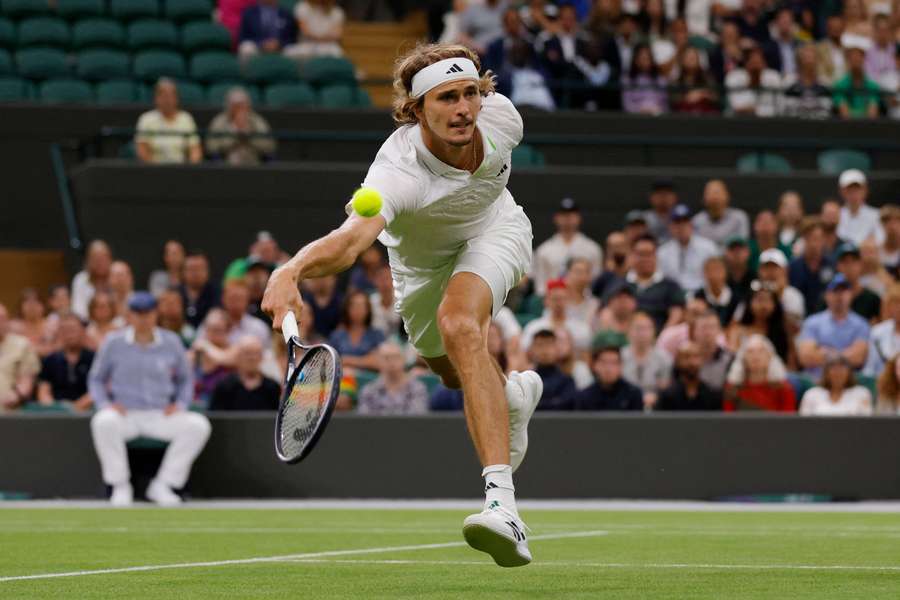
503	117
399	190
183	378
98	376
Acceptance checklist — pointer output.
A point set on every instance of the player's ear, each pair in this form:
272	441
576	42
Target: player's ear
419	109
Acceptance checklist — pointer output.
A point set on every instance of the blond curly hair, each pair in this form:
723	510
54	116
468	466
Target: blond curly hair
416	59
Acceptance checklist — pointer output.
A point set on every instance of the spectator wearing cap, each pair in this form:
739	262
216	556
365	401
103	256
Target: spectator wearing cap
264	250
198	293
621	304
64	373
19	364
167	134
394	391
811	271
884	340
889	250
583	305
855	94
837	394
556	315
657	295
635	225
836	330
615	264
643	363
757	380
718	221
239	135
864	301
737	263
687	390
247	388
858	220
663	198
559	388
610	391
141	385
754	89
551	257
716	292
683	256
173	267
765	236
773	271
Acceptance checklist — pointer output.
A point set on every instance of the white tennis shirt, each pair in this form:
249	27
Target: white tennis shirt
433	209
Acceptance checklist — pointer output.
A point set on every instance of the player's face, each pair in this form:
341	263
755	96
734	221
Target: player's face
450	111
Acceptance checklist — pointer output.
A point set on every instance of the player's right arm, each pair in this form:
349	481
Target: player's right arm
328	255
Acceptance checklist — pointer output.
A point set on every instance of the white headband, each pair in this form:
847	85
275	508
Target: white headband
449	69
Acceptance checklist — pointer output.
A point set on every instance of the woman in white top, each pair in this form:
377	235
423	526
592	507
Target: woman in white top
837	395
94	276
889	388
321	25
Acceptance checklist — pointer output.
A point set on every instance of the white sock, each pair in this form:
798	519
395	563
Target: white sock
498	487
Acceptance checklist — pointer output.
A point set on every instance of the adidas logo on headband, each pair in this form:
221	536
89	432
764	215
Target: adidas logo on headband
454	69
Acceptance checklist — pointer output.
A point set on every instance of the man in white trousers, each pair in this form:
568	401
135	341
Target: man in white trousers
141	384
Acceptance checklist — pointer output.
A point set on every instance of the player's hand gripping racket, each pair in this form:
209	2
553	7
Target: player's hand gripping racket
310	392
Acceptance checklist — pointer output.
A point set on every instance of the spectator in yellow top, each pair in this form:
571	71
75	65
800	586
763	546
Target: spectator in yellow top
167	134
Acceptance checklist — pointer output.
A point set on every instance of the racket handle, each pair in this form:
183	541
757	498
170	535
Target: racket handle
289	326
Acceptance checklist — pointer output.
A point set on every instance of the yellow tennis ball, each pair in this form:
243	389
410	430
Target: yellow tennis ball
367	202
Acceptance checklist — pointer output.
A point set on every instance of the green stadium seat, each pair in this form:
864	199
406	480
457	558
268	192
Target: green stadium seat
200	36
363	100
97	33
147	443
210	67
153	64
188	10
701	42
281	95
343	96
14	89
525	156
42	63
122	91
20	9
7	34
130	10
271	68
215	93
68	91
763	162
836	160
99	65
148	34
6	63
191	94
79	9
44	32
55	407
328	70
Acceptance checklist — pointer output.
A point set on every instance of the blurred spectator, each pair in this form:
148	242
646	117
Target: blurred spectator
121	285
394	391
805	96
737	263
355	338
889	388
728	55
621	305
19	364
59	301
239	135
837	395
682	257
855	95
780	50
764	316
540	16
695	90
865	302
880	63
874	276
247	388
790	218
656	294
570	362
499	51
751	21
835	331
229	14
615	264
559	388
663	198
33	323
94	276
582	305
321	26
197	291
813	269
257	277
445	399
644	88
103	319
858	220
560	46
627	37
481	23
264	249
643	363
235	301
497	346
522	81
884	339
673	336
856	18
214	356
757	379
765	237
266	27
156	408
773	272
593	72
64	373
506	333
687	391
552	256
754	89
323	298
716	292
831	218
604	17
362	276
718	221
831	64
890	248
171	273
556	315
609	390
167	134
385	318
170	307
635	225
707	334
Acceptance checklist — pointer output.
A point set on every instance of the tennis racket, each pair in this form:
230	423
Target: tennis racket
310	392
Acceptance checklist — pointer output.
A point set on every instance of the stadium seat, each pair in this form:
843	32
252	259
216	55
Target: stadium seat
129	10
525	156
13	89
210	67
701	42
191	94
20	9
99	65
69	91
6	63
121	91
79	9
328	70
763	162
148	34
281	95
97	33
7	34
343	96
271	68
188	10
200	36
44	32
153	64
832	162
42	63
215	93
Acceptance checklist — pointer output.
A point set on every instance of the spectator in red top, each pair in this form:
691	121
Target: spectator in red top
757	380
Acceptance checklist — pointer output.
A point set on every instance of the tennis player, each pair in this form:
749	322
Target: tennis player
457	243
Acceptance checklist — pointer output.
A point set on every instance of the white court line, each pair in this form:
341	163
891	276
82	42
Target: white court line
286	557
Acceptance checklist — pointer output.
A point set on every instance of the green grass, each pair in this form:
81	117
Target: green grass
657	555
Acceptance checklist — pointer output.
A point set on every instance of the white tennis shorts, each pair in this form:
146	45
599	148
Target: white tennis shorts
501	256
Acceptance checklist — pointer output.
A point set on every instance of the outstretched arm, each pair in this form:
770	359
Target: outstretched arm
329	255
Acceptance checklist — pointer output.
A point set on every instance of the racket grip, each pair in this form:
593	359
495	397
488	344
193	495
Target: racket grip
289	326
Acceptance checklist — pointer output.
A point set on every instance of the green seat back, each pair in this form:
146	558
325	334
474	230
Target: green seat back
97	33
129	10
525	156
42	63
44	31
99	65
121	91
8	37
153	64
327	70
199	36
14	89
6	63
836	160
79	9
191	94
270	68
280	95
147	34
210	67
763	162
188	10
69	91
337	96
20	9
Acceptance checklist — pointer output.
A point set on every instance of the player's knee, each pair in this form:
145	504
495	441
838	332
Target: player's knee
460	332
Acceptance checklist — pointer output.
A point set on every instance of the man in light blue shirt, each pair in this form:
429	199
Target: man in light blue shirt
141	384
683	257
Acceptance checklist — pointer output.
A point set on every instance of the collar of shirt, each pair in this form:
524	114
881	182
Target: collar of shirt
129	336
439	167
723	299
632	277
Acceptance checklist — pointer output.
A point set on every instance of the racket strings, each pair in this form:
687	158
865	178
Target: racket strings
306	402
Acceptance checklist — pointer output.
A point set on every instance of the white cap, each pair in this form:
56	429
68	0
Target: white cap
775	256
851	177
858	42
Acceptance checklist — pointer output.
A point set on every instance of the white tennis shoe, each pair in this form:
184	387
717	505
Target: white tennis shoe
523	392
122	495
162	494
500	533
